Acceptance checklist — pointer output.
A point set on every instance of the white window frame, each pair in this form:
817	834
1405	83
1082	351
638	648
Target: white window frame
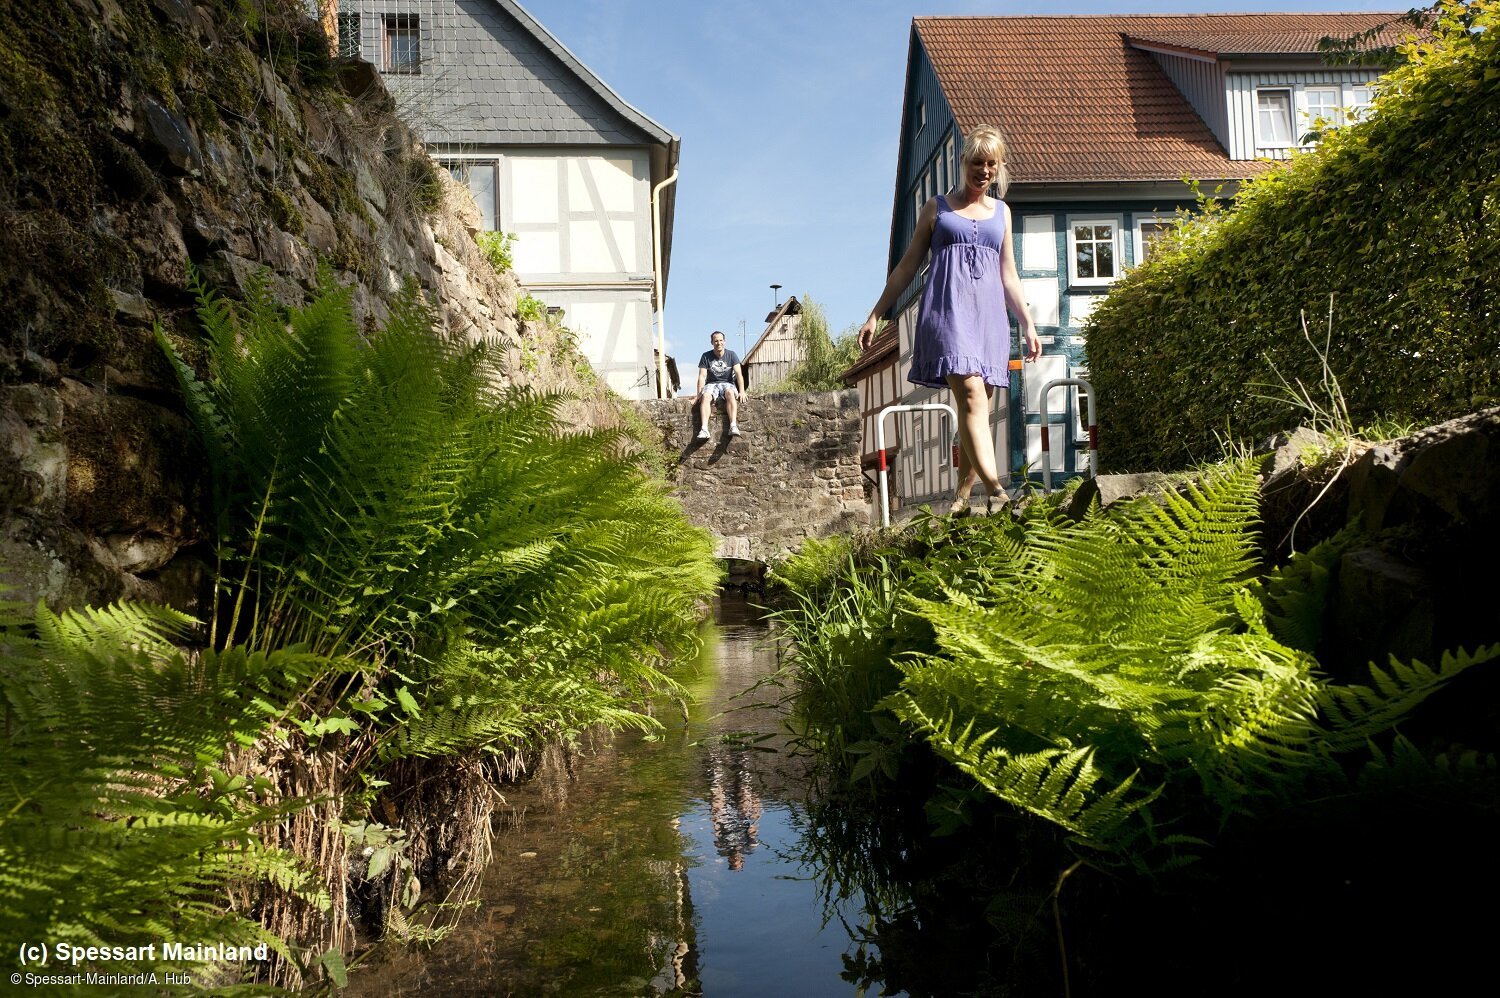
1335	114
1114	221
921	117
1264	141
1357	109
1141	221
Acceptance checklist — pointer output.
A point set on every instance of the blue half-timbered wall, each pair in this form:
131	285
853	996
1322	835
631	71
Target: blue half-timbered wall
930	143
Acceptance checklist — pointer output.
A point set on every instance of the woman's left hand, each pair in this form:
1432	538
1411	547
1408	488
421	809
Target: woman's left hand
1033	345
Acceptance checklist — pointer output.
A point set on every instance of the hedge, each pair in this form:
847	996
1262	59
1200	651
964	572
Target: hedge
1397	218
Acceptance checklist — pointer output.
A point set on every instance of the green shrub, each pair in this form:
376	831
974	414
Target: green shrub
823	357
122	824
496	247
531	309
379	497
1389	231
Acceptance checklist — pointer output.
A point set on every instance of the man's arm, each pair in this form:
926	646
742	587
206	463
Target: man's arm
739	380
702	380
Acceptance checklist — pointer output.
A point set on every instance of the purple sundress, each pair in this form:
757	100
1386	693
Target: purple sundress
963	327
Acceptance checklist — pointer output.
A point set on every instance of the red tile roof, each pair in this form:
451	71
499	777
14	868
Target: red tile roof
1078	102
1278	40
884	347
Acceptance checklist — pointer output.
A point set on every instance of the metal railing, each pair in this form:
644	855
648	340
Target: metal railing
1085	391
885	496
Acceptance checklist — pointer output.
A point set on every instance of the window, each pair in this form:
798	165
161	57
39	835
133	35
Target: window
921	117
1092	245
1273	118
403	44
1321	107
1360	99
349	41
1148	231
478	175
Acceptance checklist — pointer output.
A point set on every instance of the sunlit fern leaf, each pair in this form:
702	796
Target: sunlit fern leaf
108	832
1062	786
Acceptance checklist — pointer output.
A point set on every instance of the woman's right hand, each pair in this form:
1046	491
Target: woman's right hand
867	332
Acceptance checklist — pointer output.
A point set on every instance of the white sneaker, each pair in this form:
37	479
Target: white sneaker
703	433
734	429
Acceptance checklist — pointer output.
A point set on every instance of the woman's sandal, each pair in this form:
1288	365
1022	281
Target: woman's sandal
996	504
959	506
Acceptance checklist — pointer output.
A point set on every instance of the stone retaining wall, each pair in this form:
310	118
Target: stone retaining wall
793	473
159	134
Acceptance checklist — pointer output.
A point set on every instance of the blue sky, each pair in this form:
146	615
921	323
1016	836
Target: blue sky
788	112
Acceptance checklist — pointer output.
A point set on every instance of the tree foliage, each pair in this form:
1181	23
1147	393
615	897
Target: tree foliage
1389	229
823	357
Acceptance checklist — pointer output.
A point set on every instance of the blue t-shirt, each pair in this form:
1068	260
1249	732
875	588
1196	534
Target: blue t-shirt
720	369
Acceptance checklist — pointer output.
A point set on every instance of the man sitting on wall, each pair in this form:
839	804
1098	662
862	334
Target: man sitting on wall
719	377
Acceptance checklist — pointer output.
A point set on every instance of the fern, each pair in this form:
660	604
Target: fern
116	823
1094	667
497	576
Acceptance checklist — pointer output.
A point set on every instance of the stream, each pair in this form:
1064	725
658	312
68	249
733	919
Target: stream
667	866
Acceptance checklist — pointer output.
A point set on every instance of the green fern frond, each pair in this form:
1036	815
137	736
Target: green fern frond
1355	713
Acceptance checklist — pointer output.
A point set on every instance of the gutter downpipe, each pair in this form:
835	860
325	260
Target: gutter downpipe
659	292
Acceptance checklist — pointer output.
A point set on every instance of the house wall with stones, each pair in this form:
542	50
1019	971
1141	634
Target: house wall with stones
793	473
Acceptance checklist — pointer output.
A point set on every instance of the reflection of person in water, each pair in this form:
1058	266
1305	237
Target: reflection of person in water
733	804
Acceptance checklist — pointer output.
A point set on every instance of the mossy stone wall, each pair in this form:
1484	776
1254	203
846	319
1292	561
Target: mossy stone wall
139	138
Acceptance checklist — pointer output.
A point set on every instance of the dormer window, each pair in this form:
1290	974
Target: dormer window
1273	118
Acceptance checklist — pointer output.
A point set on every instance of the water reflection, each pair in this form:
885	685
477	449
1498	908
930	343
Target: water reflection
662	867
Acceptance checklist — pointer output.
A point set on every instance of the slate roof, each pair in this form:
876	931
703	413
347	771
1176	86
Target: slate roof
1078	102
653	132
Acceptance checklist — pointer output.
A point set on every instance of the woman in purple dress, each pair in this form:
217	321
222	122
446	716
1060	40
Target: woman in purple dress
962	341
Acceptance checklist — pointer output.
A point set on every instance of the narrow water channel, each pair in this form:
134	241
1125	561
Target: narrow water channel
662	867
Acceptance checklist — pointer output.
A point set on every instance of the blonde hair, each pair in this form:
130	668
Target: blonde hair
986	141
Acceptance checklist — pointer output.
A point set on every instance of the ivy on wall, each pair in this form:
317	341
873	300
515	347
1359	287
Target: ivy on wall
1387	234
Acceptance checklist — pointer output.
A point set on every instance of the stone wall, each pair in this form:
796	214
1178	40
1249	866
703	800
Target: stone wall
792	474
139	138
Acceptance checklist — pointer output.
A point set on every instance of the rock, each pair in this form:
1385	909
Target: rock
361	81
1454	468
178	11
317	224
1110	489
131	306
1373	482
1381	606
169	137
1290	451
277	95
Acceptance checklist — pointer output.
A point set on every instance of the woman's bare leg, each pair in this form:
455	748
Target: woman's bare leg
977	449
